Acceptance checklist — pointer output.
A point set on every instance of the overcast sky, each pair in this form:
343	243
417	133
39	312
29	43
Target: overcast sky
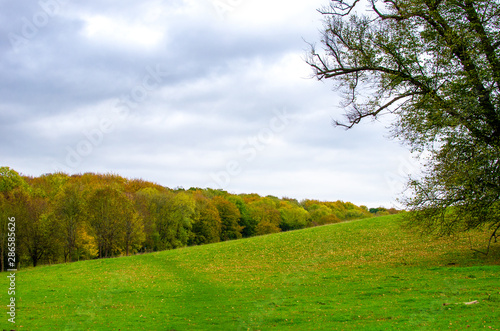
193	93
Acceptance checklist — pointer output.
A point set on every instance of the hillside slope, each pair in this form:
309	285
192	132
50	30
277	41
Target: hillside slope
366	274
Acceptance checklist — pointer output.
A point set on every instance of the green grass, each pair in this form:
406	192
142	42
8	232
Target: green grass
367	274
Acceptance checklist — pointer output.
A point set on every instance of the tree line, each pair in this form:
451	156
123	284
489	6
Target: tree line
63	218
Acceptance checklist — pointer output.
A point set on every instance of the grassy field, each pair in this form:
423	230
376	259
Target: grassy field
365	274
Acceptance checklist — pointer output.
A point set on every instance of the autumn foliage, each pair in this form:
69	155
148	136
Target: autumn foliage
63	218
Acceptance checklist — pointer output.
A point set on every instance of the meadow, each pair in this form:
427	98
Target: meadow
369	274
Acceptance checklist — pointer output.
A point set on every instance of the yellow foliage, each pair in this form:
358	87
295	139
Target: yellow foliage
86	243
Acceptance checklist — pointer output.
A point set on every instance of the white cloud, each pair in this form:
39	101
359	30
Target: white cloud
267	14
113	32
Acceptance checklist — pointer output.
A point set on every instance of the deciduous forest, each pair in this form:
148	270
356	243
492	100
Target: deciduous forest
63	218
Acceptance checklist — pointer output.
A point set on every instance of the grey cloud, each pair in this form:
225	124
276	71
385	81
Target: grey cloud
221	83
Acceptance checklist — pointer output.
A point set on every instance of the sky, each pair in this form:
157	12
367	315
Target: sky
188	93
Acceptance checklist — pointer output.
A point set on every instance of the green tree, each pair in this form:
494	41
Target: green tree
181	218
48	185
9	180
146	205
207	224
435	65
108	211
133	230
230	216
267	216
37	233
320	214
159	219
246	221
174	215
69	210
293	217
460	195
